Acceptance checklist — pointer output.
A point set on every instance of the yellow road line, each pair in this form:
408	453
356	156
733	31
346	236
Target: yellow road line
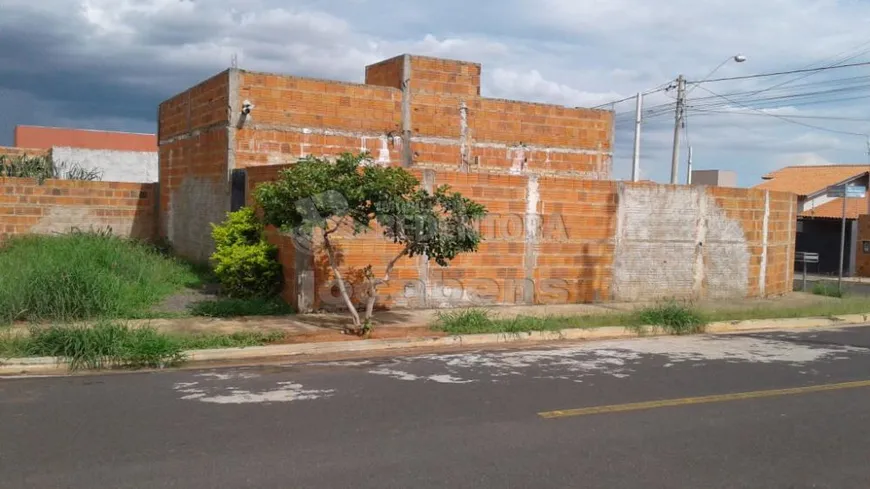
687	401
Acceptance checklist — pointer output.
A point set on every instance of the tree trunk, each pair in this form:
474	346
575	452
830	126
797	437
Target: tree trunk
347	300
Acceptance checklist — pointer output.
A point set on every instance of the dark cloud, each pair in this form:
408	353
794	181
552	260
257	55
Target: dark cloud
108	63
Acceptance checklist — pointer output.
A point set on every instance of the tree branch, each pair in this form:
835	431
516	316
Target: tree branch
374	283
391	265
327	232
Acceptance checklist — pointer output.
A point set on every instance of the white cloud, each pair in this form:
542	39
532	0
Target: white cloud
531	85
802	159
64	55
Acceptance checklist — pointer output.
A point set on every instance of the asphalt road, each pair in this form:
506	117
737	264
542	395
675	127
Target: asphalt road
462	420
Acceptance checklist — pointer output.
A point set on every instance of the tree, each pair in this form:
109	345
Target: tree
316	195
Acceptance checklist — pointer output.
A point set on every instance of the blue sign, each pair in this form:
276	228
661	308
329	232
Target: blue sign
851	192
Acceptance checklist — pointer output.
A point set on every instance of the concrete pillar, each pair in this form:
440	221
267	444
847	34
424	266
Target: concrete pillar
532	225
762	274
407	154
428	184
304	263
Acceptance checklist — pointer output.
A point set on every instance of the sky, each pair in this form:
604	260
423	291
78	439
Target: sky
107	64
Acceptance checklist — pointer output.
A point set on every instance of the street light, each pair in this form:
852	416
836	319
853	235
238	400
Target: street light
681	104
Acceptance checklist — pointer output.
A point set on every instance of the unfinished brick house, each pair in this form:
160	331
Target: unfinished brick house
560	230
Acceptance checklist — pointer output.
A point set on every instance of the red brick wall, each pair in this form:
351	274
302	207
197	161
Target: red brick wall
387	73
294	117
286	248
48	137
451	125
562	247
747	206
437	75
532	164
193	128
781	231
575	250
432	75
57	206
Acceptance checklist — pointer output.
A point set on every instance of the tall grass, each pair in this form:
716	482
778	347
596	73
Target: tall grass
103	345
110	345
84	276
671	317
475	321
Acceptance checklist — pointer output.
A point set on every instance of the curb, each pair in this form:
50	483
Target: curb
36	365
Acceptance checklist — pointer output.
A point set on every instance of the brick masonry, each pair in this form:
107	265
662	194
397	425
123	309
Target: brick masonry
194	165
58	206
450	124
436	120
550	240
558	231
50	137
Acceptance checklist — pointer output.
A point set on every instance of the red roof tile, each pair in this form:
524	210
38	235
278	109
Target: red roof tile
807	180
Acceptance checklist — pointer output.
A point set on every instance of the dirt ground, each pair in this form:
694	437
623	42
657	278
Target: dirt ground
401	323
181	302
305	328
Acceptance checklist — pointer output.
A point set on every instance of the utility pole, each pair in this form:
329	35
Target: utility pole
689	168
678	123
635	167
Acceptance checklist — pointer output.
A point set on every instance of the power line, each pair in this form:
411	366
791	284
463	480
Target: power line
790	103
848	82
818	117
780	73
657	89
836	59
789	97
811	126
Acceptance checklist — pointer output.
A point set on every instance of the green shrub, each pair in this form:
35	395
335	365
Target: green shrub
84	276
673	318
246	265
240	227
104	345
235	307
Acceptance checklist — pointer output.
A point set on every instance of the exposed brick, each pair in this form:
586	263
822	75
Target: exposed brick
571	255
29	207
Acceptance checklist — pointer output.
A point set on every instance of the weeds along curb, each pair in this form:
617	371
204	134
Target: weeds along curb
193	357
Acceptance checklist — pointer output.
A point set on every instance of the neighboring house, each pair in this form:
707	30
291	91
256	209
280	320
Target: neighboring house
120	156
819	216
